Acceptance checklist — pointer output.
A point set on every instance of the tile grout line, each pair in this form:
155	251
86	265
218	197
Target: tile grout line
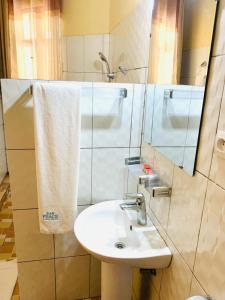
217	125
199	231
55	267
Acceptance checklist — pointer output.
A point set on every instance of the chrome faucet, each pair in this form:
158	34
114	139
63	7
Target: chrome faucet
138	205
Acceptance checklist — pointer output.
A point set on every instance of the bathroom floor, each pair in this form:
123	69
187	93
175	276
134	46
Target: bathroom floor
7	239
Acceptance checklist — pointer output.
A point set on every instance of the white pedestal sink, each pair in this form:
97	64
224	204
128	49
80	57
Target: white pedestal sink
113	236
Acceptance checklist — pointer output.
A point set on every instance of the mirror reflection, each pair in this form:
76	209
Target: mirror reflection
180	47
164	43
97	40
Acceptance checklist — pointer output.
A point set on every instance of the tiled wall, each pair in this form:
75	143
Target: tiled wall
171	125
81	61
55	266
193	220
129	44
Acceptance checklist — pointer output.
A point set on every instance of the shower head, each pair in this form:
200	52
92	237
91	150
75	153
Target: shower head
110	75
102	56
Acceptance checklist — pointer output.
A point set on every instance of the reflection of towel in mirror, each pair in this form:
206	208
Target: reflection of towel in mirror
57	144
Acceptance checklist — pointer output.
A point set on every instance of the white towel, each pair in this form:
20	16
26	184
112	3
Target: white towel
57	147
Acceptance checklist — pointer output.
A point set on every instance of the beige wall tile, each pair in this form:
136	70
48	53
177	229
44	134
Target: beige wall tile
147	153
22	178
18	114
210	262
30	243
219	46
188	194
37	280
176	279
211	114
95	277
72	277
217	172
67	245
160	206
196	289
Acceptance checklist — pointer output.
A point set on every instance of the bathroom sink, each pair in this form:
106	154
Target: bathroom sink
113	236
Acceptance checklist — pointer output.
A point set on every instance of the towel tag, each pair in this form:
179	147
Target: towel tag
50	216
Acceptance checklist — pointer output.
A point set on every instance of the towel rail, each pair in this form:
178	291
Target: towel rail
122	92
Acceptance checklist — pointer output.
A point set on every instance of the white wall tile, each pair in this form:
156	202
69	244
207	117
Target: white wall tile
129	43
148	113
132	182
73	76
86	115
108	173
97	77
84	187
106	45
75	54
168	112
93	44
111	116
195	113
176	154
137	115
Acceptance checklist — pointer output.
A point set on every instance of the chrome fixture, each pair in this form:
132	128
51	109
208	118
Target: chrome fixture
110	74
135	160
123	70
148	179
138	205
158	189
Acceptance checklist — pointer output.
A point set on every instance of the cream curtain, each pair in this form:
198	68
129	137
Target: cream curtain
35	39
166	42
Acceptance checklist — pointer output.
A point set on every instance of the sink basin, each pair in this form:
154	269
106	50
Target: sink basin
113	236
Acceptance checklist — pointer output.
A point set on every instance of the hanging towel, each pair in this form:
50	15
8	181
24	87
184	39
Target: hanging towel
57	149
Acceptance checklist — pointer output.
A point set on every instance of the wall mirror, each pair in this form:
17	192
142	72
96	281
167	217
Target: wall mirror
81	40
181	39
164	43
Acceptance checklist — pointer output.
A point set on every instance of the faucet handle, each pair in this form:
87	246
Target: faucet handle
161	191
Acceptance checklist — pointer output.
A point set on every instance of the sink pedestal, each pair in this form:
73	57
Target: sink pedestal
116	282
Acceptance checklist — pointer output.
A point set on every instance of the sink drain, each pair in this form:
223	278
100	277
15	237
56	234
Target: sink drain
120	245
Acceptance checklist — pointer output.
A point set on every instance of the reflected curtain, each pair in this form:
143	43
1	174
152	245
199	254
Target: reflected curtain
4	36
166	42
35	38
